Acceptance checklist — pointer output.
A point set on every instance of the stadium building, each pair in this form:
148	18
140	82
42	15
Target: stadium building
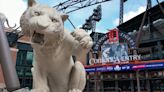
118	63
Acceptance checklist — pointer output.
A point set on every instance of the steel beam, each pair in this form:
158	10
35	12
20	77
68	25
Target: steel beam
8	68
73	5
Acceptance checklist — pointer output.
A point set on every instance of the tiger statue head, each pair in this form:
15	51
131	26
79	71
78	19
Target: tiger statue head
43	24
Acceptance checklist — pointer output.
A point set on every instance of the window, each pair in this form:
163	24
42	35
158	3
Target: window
29	58
20	71
28	72
24	64
21	56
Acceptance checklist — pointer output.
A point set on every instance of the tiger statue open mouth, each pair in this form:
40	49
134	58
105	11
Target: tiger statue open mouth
54	69
38	38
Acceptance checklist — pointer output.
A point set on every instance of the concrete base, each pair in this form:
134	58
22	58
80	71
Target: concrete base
23	90
20	90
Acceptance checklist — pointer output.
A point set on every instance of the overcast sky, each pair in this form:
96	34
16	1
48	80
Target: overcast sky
110	12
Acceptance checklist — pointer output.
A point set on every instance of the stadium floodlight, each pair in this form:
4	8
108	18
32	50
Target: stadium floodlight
97	14
91	21
87	25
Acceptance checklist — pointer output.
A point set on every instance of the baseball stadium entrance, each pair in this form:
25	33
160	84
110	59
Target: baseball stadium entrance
118	63
118	80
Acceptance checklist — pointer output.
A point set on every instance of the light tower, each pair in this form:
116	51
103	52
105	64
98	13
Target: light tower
121	11
91	22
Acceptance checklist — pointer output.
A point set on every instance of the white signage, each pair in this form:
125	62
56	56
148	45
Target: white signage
115	60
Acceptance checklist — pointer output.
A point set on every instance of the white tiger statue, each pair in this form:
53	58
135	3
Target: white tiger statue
54	69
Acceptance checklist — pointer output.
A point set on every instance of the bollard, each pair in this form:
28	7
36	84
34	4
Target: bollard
8	68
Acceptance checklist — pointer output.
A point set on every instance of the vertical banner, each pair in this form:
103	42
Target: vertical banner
113	36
